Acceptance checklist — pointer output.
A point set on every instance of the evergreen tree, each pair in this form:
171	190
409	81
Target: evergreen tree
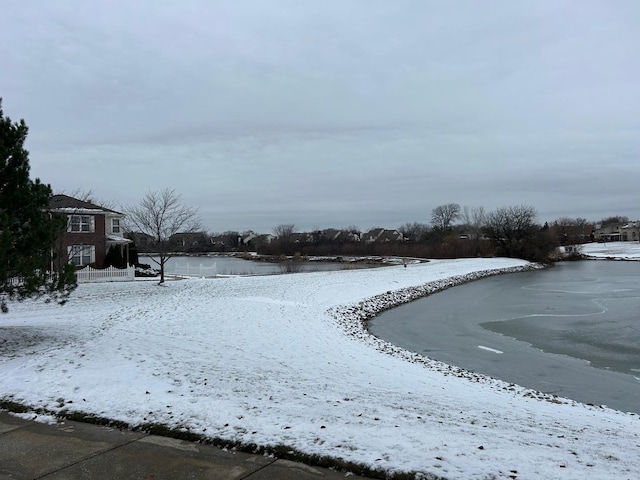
27	230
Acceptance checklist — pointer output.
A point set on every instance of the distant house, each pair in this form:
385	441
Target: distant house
261	240
372	235
333	235
607	233
352	236
617	232
92	233
191	242
301	238
252	241
143	241
630	232
382	235
247	238
391	236
472	236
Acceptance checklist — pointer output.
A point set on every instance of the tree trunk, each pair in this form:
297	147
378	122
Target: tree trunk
162	262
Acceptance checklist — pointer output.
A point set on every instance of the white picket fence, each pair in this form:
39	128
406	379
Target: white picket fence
188	270
110	274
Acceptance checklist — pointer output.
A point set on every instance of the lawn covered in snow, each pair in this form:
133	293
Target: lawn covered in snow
612	250
285	360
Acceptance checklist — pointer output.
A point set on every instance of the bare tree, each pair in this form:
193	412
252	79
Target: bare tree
352	233
515	233
284	230
413	231
614	219
284	236
565	229
161	215
569	231
474	219
444	215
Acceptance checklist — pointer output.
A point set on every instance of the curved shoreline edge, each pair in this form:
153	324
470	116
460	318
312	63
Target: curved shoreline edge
352	320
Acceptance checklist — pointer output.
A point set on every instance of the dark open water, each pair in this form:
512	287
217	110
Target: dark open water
572	330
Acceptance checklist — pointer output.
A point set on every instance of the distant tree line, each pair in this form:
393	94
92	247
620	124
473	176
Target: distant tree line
162	224
453	232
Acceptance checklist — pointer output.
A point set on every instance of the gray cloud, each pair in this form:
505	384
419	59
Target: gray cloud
331	113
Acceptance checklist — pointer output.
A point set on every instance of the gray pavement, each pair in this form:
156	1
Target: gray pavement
72	450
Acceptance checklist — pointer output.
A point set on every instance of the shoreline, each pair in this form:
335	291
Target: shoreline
456	339
353	319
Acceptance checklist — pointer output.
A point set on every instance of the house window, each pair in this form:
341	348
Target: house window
115	225
81	223
81	254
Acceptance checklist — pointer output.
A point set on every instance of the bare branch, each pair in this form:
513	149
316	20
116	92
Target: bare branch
444	215
161	215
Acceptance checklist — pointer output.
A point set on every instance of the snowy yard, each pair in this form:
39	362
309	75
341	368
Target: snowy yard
284	360
617	250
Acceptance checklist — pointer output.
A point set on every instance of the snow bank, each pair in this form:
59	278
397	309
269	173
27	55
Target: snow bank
285	360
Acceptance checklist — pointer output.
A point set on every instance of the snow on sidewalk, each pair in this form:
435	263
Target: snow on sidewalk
284	360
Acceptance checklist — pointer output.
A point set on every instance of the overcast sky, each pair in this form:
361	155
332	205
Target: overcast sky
331	113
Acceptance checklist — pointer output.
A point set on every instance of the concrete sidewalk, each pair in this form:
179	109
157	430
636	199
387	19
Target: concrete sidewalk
72	450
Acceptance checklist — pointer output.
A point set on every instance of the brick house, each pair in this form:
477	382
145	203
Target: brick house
92	231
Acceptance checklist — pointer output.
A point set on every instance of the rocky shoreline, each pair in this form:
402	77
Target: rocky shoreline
352	319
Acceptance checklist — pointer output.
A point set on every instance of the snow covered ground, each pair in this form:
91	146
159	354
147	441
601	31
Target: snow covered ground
614	250
285	360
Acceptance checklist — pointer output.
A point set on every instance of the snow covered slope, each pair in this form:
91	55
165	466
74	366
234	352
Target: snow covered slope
284	360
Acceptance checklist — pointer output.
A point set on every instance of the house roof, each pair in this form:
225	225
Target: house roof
331	233
390	236
118	239
631	225
372	235
382	235
62	203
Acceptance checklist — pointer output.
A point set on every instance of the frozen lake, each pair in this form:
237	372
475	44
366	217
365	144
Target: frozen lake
226	265
572	330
